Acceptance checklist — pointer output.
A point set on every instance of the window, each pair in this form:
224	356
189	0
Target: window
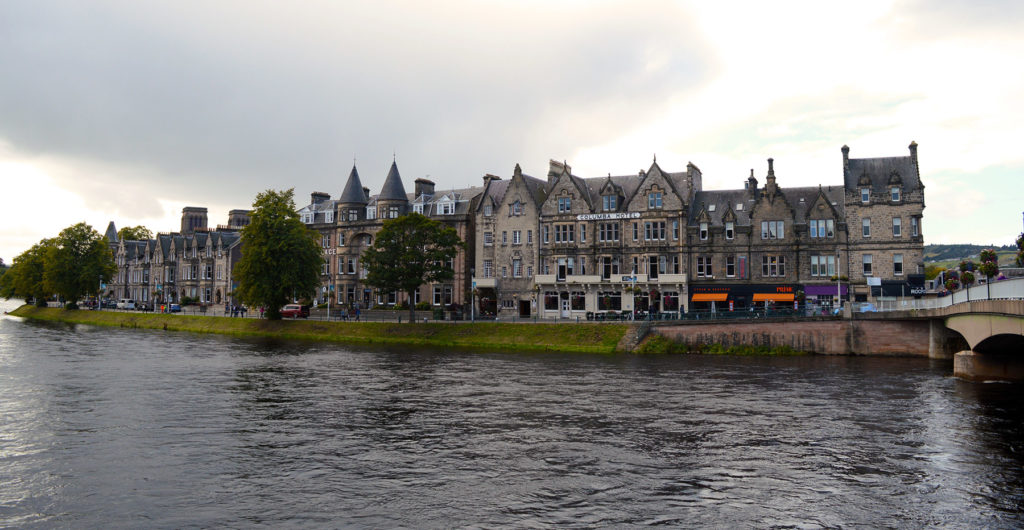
564	204
565	233
326	267
914	230
529	271
517	237
730	230
307	218
488	239
583	233
675	229
773	266
418	208
504	271
325	240
823	266
867	264
636	264
865	195
488	268
636	231
654	200
703	231
773	229
437	295
488	210
329	216
371	213
609	202
393	212
897	227
897	264
704	267
341	240
730	266
675	264
517	268
517	208
865	225
821	228
546	230
609	267
894	193
529	237
654	231
504	237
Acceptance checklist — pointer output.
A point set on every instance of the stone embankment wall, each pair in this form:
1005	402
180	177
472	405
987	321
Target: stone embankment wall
838	337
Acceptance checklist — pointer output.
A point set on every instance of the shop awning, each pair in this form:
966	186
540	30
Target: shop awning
773	297
710	297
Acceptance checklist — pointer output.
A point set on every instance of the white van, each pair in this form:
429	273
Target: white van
126	303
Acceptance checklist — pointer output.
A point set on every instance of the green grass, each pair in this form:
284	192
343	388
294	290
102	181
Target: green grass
657	344
581	338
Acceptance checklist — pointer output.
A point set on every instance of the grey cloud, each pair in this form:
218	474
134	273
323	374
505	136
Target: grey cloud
233	98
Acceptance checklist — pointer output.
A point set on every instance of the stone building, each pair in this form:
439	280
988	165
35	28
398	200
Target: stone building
349	225
506	219
174	266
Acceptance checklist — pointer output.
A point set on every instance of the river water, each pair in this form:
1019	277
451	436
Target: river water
130	428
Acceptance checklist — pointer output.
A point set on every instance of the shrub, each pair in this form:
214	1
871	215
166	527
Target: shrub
423	306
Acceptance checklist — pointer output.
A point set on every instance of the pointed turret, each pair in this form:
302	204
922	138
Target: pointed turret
353	193
393	190
111	233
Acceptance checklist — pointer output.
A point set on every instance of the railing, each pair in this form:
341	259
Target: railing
1012	289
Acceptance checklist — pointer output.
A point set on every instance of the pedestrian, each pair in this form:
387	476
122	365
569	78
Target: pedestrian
242	309
261	311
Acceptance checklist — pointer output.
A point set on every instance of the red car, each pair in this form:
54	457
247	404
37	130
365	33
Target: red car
295	311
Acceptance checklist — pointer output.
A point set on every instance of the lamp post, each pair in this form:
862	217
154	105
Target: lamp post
839	289
472	305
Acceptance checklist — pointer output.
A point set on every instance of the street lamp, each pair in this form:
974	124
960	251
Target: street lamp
472	305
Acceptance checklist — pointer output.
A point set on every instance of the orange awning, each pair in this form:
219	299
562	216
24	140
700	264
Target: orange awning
773	297
710	297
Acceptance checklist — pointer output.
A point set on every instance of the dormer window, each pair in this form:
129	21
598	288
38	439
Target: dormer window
865	195
329	216
307	218
654	200
564	204
894	193
703	231
730	230
447	208
488	210
418	208
517	208
609	202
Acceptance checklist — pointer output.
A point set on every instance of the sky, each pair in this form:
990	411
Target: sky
127	111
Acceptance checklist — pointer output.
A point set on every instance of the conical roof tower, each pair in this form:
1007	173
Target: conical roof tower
353	193
393	190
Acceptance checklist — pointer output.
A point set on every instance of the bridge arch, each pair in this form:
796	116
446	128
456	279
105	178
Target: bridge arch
1002	343
979	327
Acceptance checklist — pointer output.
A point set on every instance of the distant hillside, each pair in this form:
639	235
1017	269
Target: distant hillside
962	251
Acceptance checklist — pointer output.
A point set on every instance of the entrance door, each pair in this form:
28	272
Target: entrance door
524	308
565	308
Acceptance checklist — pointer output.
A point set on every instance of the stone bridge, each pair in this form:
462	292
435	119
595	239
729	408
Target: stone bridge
984	337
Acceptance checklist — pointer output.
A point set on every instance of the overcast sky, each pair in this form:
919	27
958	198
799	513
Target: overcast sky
128	111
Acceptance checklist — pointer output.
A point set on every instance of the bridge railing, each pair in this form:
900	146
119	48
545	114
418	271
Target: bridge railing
1012	289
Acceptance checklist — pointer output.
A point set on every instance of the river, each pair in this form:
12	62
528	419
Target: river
132	428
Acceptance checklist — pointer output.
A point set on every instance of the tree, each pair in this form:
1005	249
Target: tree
24	279
134	233
281	257
1020	250
410	251
77	263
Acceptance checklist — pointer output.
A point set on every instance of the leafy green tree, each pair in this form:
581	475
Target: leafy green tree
24	279
281	257
77	263
1020	250
410	251
134	233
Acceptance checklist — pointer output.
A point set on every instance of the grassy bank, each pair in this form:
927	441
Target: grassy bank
657	344
590	338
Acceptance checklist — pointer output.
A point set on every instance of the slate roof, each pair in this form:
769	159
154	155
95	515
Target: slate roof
111	233
725	199
392	190
353	192
880	170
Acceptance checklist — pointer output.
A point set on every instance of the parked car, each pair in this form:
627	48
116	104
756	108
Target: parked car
126	303
174	308
295	311
109	304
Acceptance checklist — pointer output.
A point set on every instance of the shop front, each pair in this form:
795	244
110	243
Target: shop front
717	298
822	298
